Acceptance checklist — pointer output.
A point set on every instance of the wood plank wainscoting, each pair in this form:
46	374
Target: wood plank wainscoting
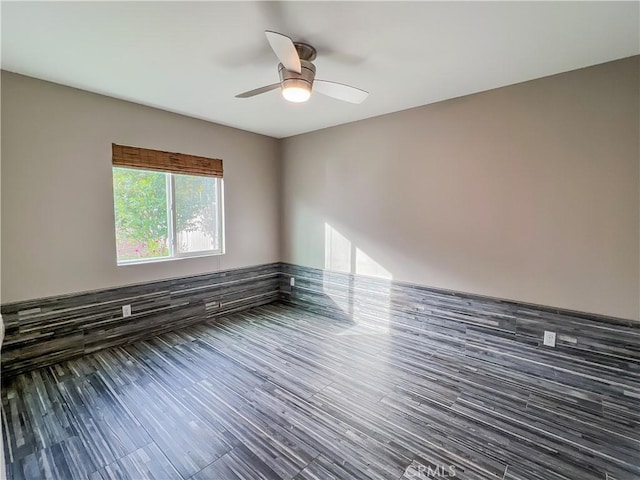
339	377
46	331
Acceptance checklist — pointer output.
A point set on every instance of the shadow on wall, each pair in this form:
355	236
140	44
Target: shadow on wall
357	301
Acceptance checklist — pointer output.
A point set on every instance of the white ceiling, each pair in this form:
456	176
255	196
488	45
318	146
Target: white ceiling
192	58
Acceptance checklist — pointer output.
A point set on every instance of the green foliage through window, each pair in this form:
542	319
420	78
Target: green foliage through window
147	228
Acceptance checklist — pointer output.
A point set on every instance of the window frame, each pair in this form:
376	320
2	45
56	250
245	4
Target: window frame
174	254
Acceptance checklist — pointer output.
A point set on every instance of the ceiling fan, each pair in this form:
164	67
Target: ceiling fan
297	74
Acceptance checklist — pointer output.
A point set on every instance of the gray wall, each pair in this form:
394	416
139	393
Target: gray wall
57	202
528	192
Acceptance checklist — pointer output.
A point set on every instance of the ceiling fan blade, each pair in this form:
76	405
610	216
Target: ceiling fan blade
340	91
258	91
285	50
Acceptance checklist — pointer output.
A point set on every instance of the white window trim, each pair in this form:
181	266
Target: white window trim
171	221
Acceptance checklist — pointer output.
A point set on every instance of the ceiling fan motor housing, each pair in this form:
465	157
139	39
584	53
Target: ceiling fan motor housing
304	79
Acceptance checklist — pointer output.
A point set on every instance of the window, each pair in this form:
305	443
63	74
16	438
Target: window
164	214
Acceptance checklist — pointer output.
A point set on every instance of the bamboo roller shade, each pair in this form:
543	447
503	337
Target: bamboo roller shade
144	158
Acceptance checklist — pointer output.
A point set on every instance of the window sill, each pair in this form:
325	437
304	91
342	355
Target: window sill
127	263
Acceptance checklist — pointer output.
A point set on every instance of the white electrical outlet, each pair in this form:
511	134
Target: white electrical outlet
292	281
126	311
550	339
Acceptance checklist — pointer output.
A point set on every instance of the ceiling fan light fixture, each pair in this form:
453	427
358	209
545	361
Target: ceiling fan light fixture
296	87
296	92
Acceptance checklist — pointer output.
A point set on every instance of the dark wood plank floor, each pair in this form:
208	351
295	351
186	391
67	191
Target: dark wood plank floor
278	392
